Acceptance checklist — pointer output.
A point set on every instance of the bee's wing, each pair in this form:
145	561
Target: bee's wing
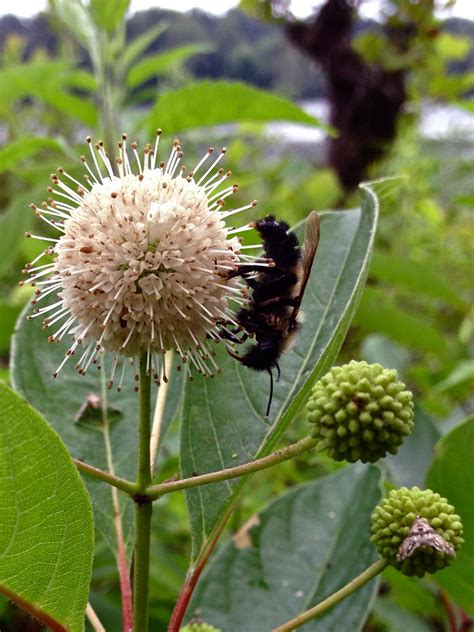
310	246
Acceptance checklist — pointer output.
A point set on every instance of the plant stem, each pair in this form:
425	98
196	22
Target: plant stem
143	506
120	483
371	572
192	577
124	576
154	491
159	412
94	619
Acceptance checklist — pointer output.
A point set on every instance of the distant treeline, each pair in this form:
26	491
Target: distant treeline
242	48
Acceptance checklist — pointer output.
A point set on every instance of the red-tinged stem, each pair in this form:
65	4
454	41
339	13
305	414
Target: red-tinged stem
124	577
125	584
466	622
449	612
192	579
33	610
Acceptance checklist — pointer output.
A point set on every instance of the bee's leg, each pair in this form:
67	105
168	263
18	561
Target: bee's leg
277	366
229	335
270	397
234	355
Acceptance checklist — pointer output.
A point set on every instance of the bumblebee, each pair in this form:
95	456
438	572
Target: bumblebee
272	316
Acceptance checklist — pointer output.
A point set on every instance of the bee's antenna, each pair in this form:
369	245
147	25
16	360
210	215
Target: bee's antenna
278	371
267	414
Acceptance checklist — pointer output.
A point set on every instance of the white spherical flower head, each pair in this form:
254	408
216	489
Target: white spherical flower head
145	262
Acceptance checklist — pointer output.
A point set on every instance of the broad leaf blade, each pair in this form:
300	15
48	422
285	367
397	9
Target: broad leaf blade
108	15
452	475
223	422
138	46
216	102
23	148
379	312
60	400
409	466
163	63
46	529
307	544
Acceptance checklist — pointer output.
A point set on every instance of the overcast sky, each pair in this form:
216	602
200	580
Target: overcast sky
463	8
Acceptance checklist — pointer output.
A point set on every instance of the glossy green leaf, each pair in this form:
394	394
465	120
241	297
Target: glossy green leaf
214	102
138	46
304	546
108	15
64	403
378	312
416	277
224	422
46	529
163	63
452	475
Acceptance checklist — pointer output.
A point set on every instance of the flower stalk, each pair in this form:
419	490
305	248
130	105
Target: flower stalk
331	601
308	443
143	506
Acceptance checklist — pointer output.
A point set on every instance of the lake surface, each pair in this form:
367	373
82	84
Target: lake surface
438	122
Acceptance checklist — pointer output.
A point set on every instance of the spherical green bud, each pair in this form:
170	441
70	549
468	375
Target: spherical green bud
199	627
368	407
416	530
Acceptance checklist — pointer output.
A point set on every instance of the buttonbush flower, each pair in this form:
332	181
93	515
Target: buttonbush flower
143	260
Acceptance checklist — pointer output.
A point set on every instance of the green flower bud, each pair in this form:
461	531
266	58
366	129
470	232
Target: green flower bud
416	530
361	411
199	627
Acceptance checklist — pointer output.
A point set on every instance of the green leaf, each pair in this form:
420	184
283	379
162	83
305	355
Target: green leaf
377	348
138	46
452	475
76	16
163	63
379	312
302	547
108	15
46	530
16	219
48	82
462	374
417	277
215	102
61	401
25	147
223	422
412	593
76	107
393	618
409	466
8	315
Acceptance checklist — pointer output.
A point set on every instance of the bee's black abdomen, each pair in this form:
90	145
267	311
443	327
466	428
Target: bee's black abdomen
280	245
262	356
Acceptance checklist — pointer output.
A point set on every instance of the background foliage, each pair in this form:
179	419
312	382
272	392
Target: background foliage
414	314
